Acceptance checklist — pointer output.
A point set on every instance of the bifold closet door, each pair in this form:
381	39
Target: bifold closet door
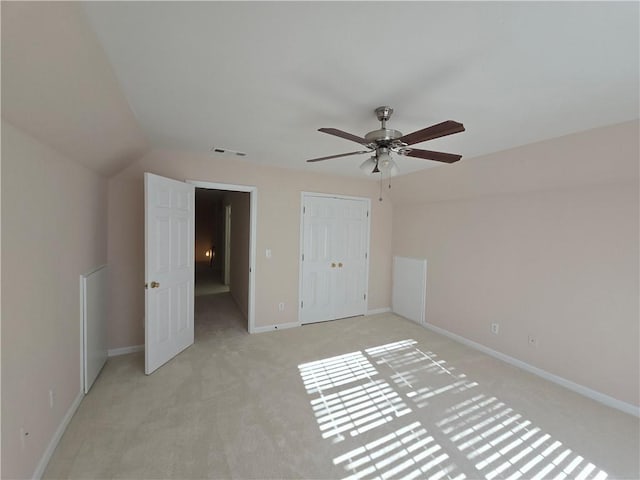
334	258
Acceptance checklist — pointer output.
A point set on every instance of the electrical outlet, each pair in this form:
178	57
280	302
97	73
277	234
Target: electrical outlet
495	328
281	307
533	341
51	397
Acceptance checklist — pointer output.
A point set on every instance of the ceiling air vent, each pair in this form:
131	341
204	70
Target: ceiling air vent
226	150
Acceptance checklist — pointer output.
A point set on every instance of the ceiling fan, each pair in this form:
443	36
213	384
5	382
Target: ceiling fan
384	141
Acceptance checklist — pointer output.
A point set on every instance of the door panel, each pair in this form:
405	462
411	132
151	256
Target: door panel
318	274
351	258
169	242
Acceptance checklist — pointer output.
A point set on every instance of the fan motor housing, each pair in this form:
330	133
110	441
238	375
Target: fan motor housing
383	136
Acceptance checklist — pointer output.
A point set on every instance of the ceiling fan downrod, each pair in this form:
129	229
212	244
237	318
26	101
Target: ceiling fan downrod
383	137
384	113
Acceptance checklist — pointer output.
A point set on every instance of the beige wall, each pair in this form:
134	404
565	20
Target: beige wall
543	240
239	262
59	86
53	230
278	228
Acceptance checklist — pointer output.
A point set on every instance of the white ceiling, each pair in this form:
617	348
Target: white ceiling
262	77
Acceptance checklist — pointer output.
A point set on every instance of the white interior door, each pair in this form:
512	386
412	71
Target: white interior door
169	269
335	235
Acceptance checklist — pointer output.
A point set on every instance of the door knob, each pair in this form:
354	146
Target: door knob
333	264
340	265
155	284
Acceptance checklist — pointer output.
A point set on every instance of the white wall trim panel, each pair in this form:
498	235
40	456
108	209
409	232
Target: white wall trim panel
409	288
94	324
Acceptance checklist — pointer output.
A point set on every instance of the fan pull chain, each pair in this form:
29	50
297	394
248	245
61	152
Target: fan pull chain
380	198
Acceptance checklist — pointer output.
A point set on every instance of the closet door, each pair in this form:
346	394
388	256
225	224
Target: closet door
334	258
349	251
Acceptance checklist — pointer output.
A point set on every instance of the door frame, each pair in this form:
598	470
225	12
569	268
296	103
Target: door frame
253	209
367	200
227	245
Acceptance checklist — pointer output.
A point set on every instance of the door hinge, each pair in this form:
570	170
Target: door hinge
301	304
304	210
365	296
366	255
303	257
367	213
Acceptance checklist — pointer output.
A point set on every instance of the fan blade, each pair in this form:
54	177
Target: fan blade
338	156
345	135
434	131
436	156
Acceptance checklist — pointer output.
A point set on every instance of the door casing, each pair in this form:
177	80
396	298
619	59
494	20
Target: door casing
253	200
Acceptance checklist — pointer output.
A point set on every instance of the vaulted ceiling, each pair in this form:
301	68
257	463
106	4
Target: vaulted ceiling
106	81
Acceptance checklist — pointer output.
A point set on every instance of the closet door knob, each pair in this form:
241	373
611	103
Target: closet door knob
340	265
333	264
155	284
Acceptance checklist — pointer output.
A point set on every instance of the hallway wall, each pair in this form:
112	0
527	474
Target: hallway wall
239	263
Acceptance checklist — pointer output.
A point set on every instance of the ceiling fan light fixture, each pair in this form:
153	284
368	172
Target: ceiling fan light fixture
386	164
384	156
369	166
390	167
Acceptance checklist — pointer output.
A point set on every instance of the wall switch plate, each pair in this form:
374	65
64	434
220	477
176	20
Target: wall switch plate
281	307
533	341
495	328
268	253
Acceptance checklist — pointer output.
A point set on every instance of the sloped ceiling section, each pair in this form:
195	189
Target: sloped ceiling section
58	85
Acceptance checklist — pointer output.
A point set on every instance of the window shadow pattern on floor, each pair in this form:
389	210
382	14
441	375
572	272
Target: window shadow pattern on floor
386	388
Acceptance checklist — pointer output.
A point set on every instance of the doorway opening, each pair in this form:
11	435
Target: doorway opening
224	256
212	243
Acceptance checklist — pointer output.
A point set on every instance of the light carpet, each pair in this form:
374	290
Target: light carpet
366	397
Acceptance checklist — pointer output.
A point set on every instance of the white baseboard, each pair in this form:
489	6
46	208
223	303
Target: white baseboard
46	456
114	352
376	311
272	328
576	387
